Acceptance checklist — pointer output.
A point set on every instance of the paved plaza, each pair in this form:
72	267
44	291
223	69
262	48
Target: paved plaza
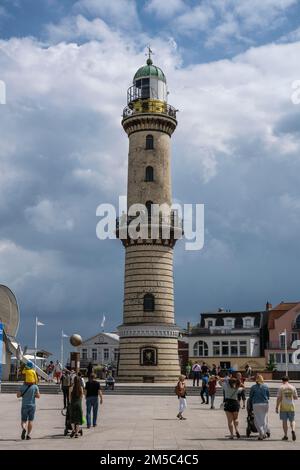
136	422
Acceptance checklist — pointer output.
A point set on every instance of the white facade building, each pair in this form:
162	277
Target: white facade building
101	349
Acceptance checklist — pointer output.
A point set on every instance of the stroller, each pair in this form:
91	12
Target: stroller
250	420
68	425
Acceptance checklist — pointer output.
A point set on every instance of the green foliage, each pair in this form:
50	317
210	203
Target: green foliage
271	365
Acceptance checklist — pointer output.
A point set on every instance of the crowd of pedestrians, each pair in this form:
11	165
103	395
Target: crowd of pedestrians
234	397
74	389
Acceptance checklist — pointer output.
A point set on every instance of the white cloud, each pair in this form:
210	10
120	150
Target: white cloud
195	19
121	13
163	9
231	21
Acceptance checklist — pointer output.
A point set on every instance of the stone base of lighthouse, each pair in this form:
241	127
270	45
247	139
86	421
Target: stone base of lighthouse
148	353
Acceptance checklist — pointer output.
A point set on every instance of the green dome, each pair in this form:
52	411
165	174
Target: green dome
150	70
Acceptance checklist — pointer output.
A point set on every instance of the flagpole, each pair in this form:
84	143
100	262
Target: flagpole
286	353
62	349
35	341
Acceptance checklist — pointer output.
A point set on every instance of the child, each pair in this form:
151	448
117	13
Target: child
30	374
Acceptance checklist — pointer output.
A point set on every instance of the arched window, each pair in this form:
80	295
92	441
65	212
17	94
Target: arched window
149	303
200	349
297	322
149	142
149	174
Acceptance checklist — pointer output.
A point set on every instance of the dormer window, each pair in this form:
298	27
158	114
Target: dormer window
248	322
229	322
210	322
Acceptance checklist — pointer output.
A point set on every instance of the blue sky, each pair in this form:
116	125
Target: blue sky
230	67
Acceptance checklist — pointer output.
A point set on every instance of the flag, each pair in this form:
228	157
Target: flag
64	335
39	323
103	321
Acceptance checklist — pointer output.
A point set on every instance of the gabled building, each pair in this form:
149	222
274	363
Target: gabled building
101	349
229	339
284	317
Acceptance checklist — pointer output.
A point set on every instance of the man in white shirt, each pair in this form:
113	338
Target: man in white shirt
196	369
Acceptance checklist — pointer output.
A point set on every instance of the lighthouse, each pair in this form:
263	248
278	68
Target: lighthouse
148	335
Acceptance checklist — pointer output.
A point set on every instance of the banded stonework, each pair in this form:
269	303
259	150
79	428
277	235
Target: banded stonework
149	335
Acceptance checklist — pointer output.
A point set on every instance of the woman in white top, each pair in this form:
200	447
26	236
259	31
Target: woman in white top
231	404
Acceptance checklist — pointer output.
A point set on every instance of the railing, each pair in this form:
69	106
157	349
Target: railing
167	226
223	330
149	106
278	345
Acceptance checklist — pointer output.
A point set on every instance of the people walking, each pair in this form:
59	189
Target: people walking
57	371
242	393
212	388
259	402
76	394
248	371
204	368
188	370
285	404
28	393
231	405
82	381
89	370
66	383
181	394
213	370
204	389
92	393
196	370
50	370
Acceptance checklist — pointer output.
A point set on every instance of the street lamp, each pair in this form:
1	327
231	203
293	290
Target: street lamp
284	333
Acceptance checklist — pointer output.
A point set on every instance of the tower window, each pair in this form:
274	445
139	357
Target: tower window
149	303
149	174
149	142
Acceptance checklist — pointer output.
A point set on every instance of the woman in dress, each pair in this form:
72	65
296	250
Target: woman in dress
259	402
231	405
76	394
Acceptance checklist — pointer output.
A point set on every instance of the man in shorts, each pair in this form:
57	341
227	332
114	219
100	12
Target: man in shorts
28	393
287	393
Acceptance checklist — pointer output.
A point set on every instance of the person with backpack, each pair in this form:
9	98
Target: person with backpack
28	393
180	391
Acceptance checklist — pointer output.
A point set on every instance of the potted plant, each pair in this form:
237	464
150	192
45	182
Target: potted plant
270	368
